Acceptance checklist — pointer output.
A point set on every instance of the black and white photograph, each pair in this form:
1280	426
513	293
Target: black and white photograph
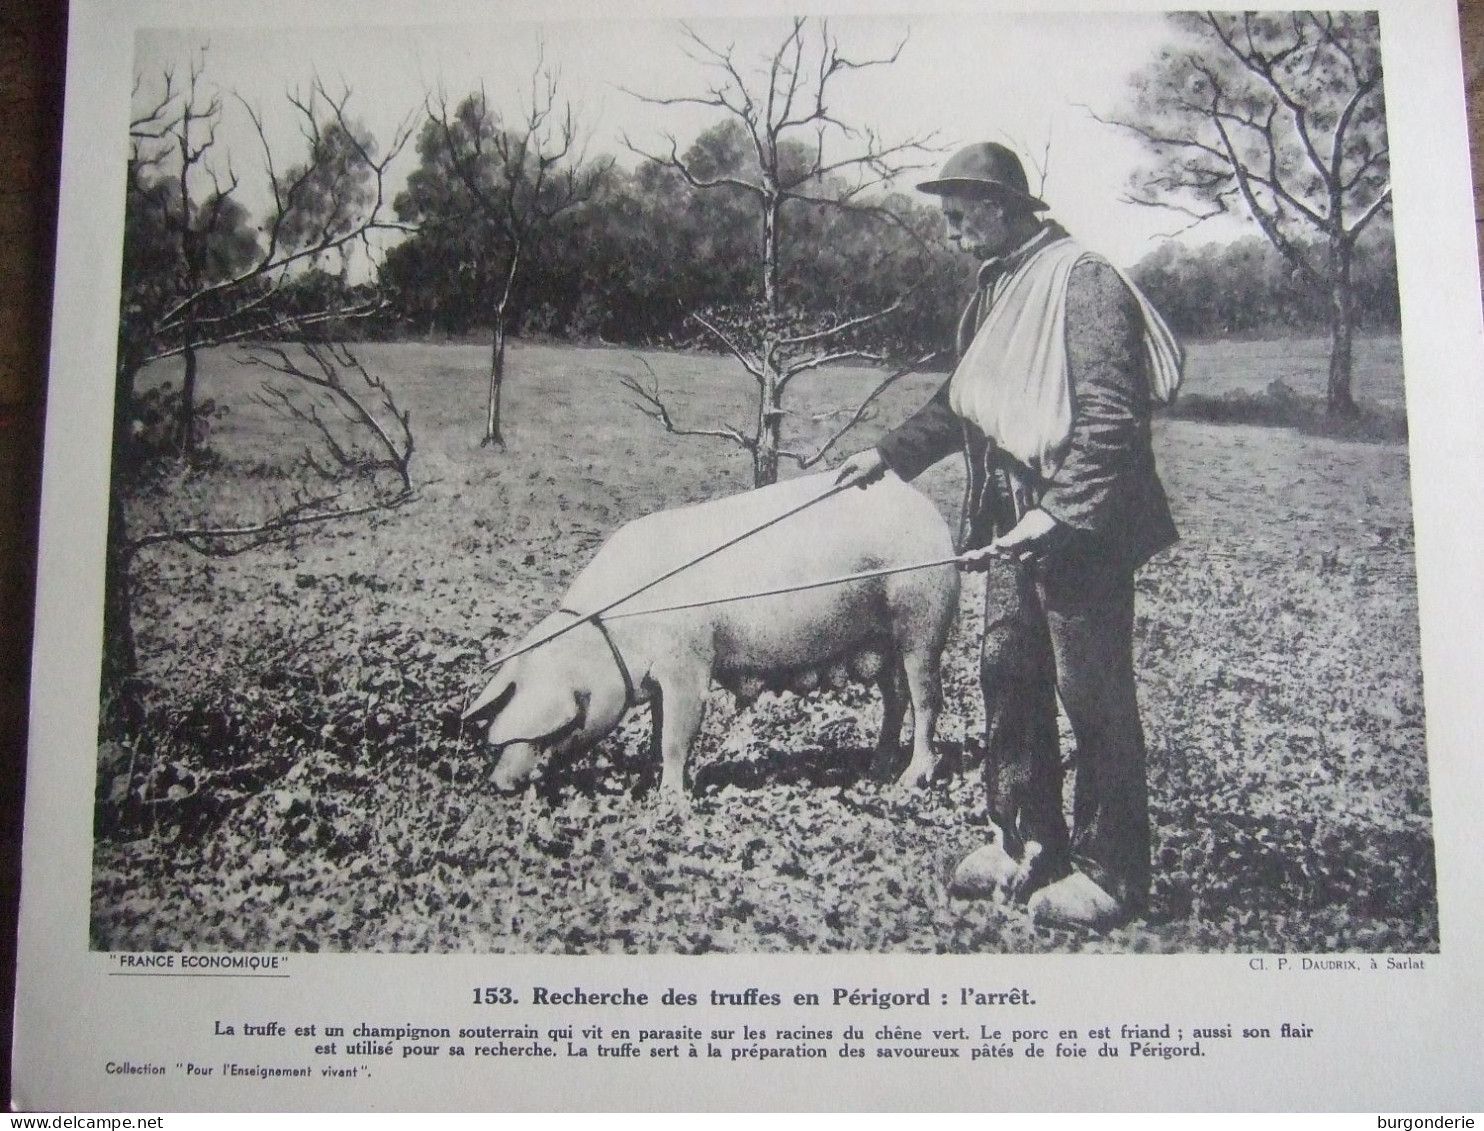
929	484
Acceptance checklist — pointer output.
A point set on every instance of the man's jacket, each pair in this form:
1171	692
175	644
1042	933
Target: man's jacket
1106	489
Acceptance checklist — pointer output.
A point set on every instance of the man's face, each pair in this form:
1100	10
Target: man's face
978	226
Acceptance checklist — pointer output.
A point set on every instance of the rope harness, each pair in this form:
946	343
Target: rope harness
596	617
630	695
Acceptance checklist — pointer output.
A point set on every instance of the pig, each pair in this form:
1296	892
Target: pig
567	694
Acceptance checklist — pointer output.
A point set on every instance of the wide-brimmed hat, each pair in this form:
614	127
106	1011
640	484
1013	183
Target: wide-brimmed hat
981	170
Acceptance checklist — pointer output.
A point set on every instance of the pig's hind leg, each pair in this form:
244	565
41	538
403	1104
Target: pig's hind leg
894	704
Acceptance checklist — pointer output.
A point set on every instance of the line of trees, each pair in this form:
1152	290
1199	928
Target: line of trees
755	226
1278	118
510	228
768	236
644	251
1250	288
643	256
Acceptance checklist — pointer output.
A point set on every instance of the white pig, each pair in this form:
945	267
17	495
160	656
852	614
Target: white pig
567	694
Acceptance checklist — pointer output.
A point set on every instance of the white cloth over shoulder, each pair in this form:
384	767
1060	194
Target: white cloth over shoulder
1013	381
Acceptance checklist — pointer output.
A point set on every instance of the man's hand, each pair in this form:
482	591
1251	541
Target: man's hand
861	469
1031	537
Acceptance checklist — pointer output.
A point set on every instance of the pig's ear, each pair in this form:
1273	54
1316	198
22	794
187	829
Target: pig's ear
496	694
539	712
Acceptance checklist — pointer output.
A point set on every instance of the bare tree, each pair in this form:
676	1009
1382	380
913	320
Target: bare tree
359	435
1280	116
796	154
516	176
200	234
199	274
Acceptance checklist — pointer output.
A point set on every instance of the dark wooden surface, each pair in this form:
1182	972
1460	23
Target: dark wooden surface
32	53
31	68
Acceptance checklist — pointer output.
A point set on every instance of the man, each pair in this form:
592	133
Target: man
1060	362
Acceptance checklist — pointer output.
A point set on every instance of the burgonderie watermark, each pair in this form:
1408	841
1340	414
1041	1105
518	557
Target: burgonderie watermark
1425	1122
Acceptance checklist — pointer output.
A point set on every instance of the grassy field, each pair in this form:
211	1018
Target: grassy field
1236	365
297	778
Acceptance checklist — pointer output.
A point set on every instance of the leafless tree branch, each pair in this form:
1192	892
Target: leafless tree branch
324	366
803	152
749	362
805	462
276	258
372	413
651	403
842	327
229	541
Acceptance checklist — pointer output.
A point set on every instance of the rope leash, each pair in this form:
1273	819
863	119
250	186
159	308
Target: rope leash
834	489
862	576
866	575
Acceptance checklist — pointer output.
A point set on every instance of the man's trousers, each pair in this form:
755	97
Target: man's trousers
1065	627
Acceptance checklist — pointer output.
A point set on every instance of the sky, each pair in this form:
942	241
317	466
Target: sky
1027	80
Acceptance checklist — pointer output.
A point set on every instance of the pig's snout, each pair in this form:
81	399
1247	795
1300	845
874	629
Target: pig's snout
514	768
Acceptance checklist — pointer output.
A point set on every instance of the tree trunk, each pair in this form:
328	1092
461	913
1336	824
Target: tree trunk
185	412
497	352
770	396
191	254
491	420
120	657
769	429
1338	401
772	301
497	380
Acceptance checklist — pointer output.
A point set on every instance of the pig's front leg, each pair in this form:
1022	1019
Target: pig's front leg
679	706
